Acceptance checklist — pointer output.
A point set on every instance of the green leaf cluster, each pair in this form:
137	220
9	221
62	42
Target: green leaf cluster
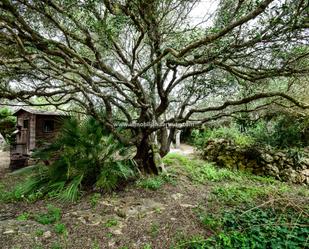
83	156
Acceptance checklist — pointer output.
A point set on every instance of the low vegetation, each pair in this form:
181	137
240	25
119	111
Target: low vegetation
241	211
155	182
200	171
83	156
282	131
7	124
52	215
265	227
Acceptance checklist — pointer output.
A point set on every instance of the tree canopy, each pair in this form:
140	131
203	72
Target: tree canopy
145	61
7	123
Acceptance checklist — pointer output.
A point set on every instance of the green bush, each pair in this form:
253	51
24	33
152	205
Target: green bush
232	133
283	131
7	123
289	131
83	156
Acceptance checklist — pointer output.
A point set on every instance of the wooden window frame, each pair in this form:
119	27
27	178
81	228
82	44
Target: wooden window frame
44	126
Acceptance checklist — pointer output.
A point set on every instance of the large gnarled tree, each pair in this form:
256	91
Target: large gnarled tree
145	61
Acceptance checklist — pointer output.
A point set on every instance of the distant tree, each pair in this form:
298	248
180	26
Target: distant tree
144	61
7	123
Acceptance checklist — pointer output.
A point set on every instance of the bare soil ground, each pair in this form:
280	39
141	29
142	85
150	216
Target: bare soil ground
184	149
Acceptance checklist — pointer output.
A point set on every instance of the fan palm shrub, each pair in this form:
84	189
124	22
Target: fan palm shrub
83	156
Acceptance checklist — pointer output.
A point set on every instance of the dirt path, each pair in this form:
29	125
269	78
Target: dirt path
184	149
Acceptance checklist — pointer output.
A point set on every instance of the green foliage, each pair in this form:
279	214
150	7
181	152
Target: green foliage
147	246
56	245
252	228
154	182
200	171
52	215
39	232
236	193
259	228
83	155
23	217
193	242
95	245
289	131
94	199
7	123
5	195
154	230
283	131
111	223
60	228
233	134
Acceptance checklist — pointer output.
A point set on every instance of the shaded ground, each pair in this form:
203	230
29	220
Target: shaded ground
135	217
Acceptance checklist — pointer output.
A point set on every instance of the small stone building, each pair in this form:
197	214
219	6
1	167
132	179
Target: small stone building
34	129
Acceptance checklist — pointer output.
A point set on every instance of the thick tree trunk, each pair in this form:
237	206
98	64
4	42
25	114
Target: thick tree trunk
145	157
148	156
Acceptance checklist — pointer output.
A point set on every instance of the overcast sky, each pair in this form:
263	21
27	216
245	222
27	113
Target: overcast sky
203	12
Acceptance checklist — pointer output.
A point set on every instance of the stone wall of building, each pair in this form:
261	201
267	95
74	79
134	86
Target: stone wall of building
281	165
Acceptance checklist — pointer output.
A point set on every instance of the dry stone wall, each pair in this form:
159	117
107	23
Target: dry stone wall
260	161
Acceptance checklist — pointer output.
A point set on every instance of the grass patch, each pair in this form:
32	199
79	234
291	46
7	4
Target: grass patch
154	230
56	245
200	171
39	232
111	223
52	215
60	228
154	182
94	199
23	217
6	196
240	193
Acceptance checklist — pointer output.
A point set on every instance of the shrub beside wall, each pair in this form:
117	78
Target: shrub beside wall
284	165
